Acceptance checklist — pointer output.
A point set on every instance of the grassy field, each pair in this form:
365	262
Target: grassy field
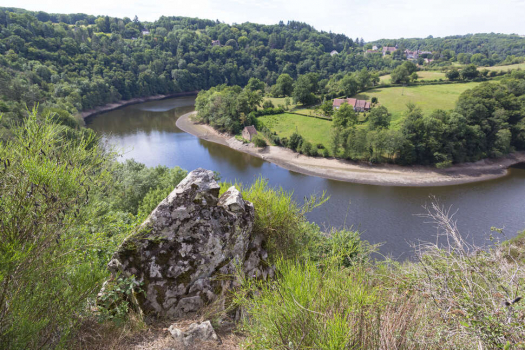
428	97
423	75
279	101
504	68
312	129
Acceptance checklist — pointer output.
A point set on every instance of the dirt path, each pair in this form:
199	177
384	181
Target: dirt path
337	169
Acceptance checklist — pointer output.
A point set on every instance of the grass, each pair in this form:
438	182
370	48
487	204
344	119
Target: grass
504	68
423	75
313	130
279	101
428	97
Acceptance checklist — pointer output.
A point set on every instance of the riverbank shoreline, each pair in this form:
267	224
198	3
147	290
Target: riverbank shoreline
123	103
348	171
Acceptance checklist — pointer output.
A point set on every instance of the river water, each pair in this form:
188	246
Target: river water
384	214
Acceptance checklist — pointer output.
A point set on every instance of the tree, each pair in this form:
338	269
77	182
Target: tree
344	117
283	86
348	85
303	90
268	104
469	72
452	74
477	59
255	84
378	118
364	78
400	75
327	108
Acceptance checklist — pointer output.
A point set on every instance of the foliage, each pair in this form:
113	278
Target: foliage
280	220
477	292
48	264
117	298
304	89
378	118
226	108
283	86
138	188
259	141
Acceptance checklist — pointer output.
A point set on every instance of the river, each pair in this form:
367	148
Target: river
384	214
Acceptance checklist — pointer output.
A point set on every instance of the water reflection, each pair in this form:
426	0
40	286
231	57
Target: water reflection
384	214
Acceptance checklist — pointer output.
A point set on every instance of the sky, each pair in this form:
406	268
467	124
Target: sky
368	19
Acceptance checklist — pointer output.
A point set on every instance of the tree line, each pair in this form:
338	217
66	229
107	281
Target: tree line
488	121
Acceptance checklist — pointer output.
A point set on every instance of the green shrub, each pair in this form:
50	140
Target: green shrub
267	104
48	264
281	220
258	141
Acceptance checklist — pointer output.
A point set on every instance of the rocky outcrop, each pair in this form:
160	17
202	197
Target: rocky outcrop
196	332
186	252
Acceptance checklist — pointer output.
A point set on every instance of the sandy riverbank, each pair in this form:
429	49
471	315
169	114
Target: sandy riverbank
342	170
122	103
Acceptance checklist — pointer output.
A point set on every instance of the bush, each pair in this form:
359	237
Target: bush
48	264
280	220
268	104
326	153
306	148
258	141
476	291
295	142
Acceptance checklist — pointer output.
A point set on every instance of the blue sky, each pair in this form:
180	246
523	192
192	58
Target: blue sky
371	20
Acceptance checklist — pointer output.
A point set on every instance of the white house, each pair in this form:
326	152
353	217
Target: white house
333	53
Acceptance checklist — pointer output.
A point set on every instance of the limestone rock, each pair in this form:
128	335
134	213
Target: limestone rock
196	332
184	252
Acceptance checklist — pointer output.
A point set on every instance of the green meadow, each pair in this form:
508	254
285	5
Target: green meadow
428	97
423	75
314	130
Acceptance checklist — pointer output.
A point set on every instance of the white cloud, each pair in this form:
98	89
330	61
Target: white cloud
371	20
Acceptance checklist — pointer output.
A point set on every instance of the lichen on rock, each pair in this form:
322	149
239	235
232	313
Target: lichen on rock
186	251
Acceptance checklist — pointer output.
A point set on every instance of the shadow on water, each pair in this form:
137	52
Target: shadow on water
382	213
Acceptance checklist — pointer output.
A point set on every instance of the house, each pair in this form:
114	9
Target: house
215	43
412	55
374	48
357	105
249	132
145	32
371	51
389	49
333	53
